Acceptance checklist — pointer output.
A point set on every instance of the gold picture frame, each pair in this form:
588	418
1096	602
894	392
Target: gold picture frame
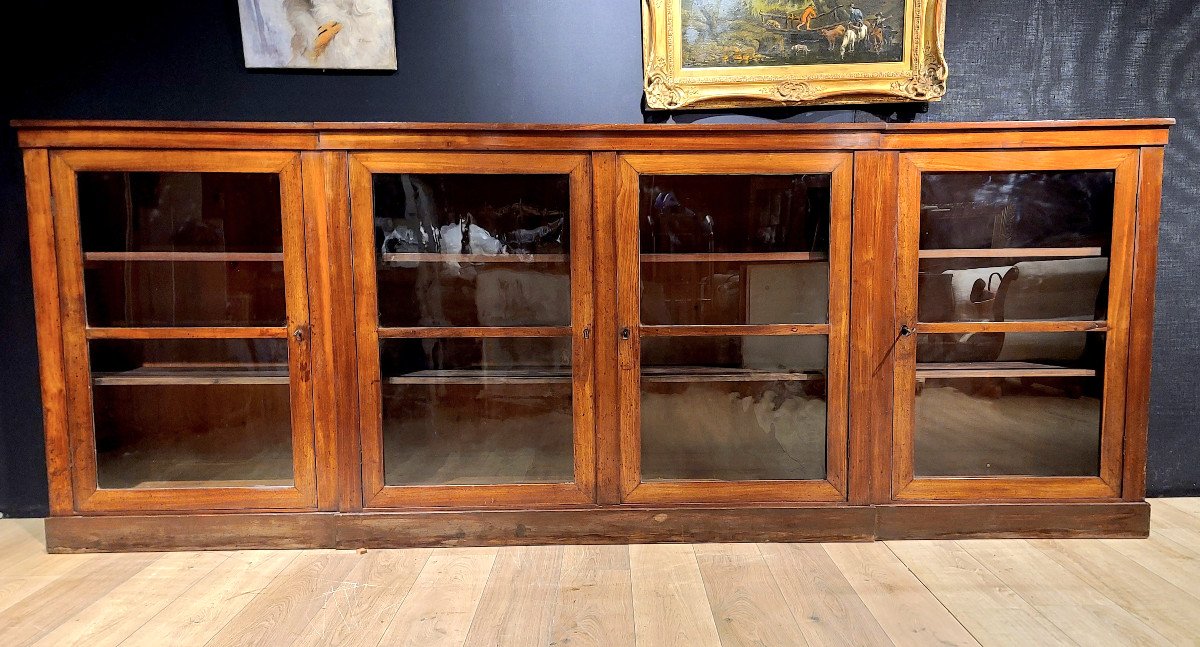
782	62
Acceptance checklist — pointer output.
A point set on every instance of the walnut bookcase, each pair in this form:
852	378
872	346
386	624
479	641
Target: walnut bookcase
360	334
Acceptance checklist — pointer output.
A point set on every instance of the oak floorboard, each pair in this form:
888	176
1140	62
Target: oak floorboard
1175	524
908	612
20	538
1190	505
990	610
23	546
1095	592
1153	600
21	559
199	613
994	611
442	601
670	606
358	611
36	571
45	608
595	598
746	603
280	613
114	617
1073	605
518	601
12	532
822	601
1170	560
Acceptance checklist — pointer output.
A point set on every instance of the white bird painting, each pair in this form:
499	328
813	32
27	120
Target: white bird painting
323	34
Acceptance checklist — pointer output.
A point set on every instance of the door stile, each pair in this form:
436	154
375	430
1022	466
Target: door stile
872	333
1141	324
48	307
331	295
605	185
583	311
628	333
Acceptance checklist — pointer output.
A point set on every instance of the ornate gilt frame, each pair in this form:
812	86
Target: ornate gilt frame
920	76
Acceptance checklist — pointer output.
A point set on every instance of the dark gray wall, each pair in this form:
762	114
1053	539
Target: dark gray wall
579	61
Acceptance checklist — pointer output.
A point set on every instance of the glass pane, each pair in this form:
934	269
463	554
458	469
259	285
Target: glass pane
1013	289
473	250
476	294
191	413
734	408
192	212
734	249
477	411
1009	404
1034	246
188	293
693	214
723	293
995	210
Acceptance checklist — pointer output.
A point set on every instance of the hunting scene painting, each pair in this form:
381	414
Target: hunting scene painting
732	33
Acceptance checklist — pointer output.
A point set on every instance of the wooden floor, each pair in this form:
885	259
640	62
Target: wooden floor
996	592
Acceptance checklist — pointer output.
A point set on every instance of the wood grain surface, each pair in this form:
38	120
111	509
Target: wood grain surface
945	592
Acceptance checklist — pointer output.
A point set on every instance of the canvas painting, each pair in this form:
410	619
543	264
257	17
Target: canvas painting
702	54
322	34
721	33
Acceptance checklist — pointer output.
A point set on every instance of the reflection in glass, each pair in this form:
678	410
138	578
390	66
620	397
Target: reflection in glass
1009	404
186	293
722	293
734	408
994	210
186	212
1013	289
181	413
734	213
477	411
734	249
473	250
476	294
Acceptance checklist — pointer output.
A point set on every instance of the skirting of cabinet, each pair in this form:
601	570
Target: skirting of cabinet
594	526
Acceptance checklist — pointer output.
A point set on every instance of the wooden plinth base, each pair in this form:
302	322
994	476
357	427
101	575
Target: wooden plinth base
615	525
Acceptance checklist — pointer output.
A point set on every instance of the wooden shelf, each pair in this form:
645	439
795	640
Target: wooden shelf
1014	252
423	257
160	375
218	483
997	369
737	257
561	376
479	376
717	374
211	257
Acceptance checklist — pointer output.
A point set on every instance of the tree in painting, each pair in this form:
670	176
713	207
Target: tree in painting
724	33
327	34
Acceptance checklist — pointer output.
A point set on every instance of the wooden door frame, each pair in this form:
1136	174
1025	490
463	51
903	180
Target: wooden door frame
376	494
88	496
839	165
1124	163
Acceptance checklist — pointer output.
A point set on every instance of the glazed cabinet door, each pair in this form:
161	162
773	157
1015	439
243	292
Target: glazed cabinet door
733	298
185	329
1015	276
474	315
